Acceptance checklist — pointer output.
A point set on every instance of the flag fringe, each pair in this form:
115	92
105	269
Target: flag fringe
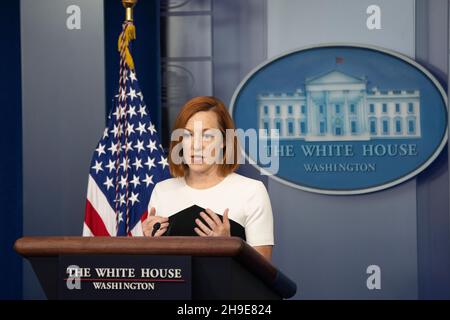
127	35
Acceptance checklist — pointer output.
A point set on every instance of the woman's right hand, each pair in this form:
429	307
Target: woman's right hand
152	219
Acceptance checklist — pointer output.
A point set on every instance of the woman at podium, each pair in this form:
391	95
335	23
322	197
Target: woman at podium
205	196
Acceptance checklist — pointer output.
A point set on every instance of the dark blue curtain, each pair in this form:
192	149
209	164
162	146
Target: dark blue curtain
145	51
11	154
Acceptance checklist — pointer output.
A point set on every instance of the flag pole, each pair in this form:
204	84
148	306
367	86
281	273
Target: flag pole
129	5
128	34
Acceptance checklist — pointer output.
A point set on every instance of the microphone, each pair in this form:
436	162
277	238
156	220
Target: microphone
156	227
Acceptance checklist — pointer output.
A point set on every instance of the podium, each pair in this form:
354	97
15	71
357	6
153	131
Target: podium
197	268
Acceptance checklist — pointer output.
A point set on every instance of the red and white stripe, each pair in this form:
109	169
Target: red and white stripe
100	218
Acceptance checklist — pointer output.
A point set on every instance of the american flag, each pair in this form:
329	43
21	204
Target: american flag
126	165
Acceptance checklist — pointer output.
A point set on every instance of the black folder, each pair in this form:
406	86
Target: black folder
183	223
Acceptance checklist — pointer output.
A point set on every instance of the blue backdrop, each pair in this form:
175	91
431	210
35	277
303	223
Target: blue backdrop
11	156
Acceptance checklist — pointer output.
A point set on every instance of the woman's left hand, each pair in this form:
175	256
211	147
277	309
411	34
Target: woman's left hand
215	228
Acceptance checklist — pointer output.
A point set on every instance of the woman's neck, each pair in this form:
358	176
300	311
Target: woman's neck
204	180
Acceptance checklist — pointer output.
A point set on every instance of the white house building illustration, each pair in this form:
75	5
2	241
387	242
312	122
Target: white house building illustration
336	106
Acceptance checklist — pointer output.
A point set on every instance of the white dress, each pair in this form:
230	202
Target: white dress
247	200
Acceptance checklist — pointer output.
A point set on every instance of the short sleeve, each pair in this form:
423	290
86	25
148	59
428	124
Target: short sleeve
259	218
152	203
154	200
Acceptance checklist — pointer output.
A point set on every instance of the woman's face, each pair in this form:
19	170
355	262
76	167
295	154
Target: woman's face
202	140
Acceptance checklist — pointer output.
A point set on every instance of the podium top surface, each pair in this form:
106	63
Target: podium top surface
193	246
196	246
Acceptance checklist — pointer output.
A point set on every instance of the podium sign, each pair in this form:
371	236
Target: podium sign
124	277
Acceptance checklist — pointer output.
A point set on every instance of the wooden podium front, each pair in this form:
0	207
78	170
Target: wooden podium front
215	268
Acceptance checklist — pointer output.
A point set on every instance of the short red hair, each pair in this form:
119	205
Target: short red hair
225	121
